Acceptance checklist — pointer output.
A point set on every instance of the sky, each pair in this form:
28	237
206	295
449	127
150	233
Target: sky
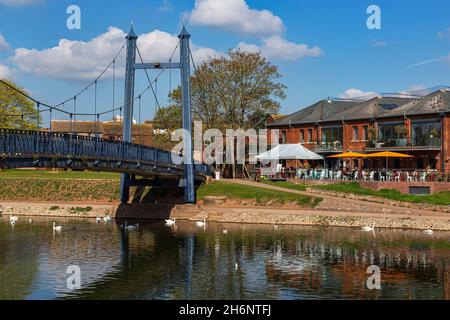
322	48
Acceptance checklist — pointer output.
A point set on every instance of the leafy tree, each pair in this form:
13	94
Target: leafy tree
169	119
16	110
236	91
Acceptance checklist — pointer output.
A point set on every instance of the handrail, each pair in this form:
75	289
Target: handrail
38	143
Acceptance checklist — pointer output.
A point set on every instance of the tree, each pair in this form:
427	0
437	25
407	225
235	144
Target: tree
169	119
16	110
233	92
236	91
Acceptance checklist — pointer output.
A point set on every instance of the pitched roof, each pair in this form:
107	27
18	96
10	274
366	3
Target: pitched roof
370	109
316	113
435	102
277	117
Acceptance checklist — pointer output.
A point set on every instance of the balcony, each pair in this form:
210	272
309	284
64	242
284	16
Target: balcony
402	144
329	146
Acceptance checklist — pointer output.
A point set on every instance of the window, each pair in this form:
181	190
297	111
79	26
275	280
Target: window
426	133
310	135
390	135
365	133
355	133
302	136
283	137
332	138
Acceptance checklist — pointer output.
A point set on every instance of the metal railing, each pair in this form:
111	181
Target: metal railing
20	143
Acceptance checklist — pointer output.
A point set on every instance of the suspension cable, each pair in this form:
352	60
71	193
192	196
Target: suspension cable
96	79
148	77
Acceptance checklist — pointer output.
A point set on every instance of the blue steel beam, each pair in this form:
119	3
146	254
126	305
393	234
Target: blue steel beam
128	103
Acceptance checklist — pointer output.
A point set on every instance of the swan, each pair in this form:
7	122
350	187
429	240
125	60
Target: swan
171	222
369	229
98	219
11	218
107	218
428	231
201	223
56	228
225	231
131	227
275	227
30	221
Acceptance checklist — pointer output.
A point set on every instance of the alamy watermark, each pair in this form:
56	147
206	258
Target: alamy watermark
74	20
374	20
73	281
236	146
374	280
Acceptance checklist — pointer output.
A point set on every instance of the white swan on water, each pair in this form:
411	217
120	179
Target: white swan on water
429	231
107	218
56	228
201	223
171	222
369	229
13	219
131	227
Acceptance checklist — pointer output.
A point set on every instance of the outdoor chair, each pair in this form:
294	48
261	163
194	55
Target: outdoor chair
409	177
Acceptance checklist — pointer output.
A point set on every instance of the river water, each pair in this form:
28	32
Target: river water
218	262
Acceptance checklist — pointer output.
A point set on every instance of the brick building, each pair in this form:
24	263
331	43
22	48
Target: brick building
419	127
110	130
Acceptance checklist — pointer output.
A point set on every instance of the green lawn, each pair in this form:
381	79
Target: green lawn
285	184
261	196
442	198
49	174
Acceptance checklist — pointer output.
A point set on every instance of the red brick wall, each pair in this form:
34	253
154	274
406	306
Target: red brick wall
403	187
446	134
351	144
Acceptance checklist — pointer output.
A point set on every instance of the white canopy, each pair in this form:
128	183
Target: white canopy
289	152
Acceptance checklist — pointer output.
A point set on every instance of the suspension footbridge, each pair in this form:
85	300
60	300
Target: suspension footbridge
49	149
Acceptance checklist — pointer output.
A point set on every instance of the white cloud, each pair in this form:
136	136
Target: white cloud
357	94
235	16
444	59
276	47
5	71
3	44
79	60
18	3
412	88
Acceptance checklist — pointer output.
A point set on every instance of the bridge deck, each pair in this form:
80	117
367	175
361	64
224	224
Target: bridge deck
21	149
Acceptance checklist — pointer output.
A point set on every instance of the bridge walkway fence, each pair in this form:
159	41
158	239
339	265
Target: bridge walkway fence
20	143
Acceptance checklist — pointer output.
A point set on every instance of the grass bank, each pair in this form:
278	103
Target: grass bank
63	190
260	196
286	185
441	198
50	174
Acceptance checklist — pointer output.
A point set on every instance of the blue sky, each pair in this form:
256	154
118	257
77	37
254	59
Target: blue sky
323	48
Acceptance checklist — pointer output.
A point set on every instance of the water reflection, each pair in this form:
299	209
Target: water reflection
246	262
